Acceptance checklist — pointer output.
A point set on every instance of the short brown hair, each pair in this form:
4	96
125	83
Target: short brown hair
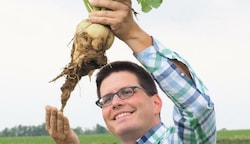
145	79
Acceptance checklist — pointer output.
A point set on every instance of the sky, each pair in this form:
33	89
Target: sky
212	35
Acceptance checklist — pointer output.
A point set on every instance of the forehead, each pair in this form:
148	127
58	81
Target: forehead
118	80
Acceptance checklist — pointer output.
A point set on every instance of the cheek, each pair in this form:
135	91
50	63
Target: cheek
142	101
105	115
108	122
146	107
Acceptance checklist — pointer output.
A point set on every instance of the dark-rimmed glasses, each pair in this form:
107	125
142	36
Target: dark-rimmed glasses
123	93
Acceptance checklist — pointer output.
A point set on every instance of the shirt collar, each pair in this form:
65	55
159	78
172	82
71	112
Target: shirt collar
154	135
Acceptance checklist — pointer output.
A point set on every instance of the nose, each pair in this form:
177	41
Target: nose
117	102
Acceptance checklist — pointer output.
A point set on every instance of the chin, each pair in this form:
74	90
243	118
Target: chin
124	129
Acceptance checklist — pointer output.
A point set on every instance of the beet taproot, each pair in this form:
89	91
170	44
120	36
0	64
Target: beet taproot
90	43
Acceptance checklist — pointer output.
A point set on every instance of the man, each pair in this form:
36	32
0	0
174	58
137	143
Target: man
128	97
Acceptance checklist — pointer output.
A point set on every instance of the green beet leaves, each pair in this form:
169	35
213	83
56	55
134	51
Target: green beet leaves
147	5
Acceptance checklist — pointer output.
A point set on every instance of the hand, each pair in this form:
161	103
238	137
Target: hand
119	16
58	127
121	21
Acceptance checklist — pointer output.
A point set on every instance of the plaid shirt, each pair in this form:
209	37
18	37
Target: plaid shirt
193	115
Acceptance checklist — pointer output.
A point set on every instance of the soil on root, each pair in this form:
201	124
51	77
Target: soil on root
84	60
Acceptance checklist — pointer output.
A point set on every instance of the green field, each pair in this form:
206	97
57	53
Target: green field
233	137
224	137
86	139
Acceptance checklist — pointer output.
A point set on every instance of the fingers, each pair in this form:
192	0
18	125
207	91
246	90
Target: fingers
47	117
60	122
116	9
114	18
57	125
56	121
66	126
53	119
111	5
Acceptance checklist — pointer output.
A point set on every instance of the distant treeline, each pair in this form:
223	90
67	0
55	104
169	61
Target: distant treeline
39	130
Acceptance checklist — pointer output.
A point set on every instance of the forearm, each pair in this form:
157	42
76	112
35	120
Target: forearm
137	39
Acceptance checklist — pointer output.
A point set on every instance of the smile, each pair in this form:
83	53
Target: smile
122	115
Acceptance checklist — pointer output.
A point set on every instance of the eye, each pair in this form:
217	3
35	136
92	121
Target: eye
107	99
126	92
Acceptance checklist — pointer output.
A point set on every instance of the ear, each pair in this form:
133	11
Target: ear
157	102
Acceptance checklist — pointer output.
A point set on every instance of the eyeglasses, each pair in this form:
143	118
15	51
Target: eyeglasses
123	93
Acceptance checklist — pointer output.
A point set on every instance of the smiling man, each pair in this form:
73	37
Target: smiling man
129	100
128	96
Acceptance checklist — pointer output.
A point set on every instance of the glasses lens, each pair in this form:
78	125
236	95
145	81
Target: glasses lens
106	100
125	93
122	94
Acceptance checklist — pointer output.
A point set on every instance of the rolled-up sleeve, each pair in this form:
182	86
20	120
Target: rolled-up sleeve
193	114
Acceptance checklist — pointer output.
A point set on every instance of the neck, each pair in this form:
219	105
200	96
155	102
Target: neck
129	138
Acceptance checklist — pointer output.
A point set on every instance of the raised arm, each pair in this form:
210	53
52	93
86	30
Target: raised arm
194	115
122	23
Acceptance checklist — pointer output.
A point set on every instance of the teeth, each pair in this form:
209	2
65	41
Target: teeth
121	115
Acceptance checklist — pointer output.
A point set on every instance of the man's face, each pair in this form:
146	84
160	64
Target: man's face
134	115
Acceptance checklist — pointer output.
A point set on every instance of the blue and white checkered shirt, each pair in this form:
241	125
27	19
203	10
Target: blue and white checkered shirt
193	115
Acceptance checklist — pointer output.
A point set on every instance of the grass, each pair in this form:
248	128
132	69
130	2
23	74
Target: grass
86	139
223	137
26	140
233	137
98	139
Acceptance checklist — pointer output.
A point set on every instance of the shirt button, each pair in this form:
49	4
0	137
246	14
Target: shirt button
182	74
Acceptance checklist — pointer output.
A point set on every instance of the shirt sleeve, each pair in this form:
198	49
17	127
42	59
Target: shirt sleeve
193	114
